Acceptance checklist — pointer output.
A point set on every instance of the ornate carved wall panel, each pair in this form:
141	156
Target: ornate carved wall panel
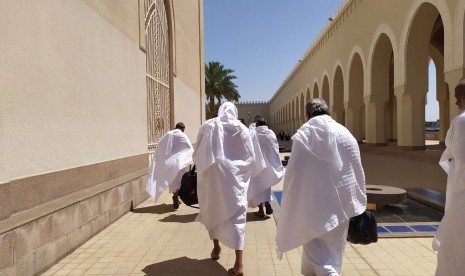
158	71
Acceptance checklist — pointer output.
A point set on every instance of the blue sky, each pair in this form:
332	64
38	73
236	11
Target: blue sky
262	40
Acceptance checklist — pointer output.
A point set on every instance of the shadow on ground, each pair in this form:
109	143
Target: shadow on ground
157	209
185	266
179	218
409	211
252	216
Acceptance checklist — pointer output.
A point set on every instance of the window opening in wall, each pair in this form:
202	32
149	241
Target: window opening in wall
432	106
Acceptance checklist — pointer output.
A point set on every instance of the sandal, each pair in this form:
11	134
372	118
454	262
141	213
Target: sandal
175	202
268	208
233	272
215	256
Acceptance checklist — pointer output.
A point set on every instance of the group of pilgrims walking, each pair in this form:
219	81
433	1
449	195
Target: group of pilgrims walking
323	186
237	166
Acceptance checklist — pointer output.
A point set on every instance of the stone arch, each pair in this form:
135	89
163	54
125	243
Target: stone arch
302	109
355	105
276	122
356	51
425	29
381	103
325	89
315	92
288	116
338	95
385	30
457	72
459	28
337	66
416	7
283	117
308	96
295	116
290	125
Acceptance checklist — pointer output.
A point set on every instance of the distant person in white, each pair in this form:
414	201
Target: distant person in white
171	159
324	186
252	126
450	239
224	157
268	170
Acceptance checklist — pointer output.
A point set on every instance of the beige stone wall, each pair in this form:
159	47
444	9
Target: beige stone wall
189	78
73	85
247	110
121	14
34	240
74	78
73	118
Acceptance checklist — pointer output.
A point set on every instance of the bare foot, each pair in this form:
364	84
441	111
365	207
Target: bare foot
215	255
235	271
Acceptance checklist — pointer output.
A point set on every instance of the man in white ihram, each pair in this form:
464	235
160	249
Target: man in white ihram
224	157
268	170
449	240
323	188
252	126
171	159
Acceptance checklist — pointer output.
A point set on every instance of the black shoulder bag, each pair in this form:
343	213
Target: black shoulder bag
188	190
363	229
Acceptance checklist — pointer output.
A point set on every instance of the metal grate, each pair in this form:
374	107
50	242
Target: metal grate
157	77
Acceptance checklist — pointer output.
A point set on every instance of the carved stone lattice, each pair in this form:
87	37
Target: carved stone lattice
157	77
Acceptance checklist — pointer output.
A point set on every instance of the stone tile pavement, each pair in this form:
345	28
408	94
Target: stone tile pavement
156	240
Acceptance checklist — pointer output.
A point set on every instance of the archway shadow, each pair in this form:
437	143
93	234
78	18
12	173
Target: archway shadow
179	218
156	209
185	266
252	216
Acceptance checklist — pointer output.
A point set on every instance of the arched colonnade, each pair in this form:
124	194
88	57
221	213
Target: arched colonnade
373	70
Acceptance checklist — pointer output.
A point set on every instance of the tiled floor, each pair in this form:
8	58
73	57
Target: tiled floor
409	219
155	240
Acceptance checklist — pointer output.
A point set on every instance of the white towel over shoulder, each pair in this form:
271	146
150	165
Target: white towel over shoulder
171	158
268	169
324	183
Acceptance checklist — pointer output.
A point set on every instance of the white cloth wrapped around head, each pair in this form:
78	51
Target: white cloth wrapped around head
224	157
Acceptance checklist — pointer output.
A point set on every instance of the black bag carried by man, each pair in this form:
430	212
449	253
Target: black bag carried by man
363	229
188	190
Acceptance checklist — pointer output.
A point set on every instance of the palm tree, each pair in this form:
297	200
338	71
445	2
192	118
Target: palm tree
219	84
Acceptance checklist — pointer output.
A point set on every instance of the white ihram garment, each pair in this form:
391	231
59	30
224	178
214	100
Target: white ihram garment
449	240
323	255
268	170
224	159
171	159
324	186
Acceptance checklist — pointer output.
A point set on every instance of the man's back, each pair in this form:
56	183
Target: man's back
324	183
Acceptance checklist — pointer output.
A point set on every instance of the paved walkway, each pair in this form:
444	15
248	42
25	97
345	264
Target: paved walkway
155	240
